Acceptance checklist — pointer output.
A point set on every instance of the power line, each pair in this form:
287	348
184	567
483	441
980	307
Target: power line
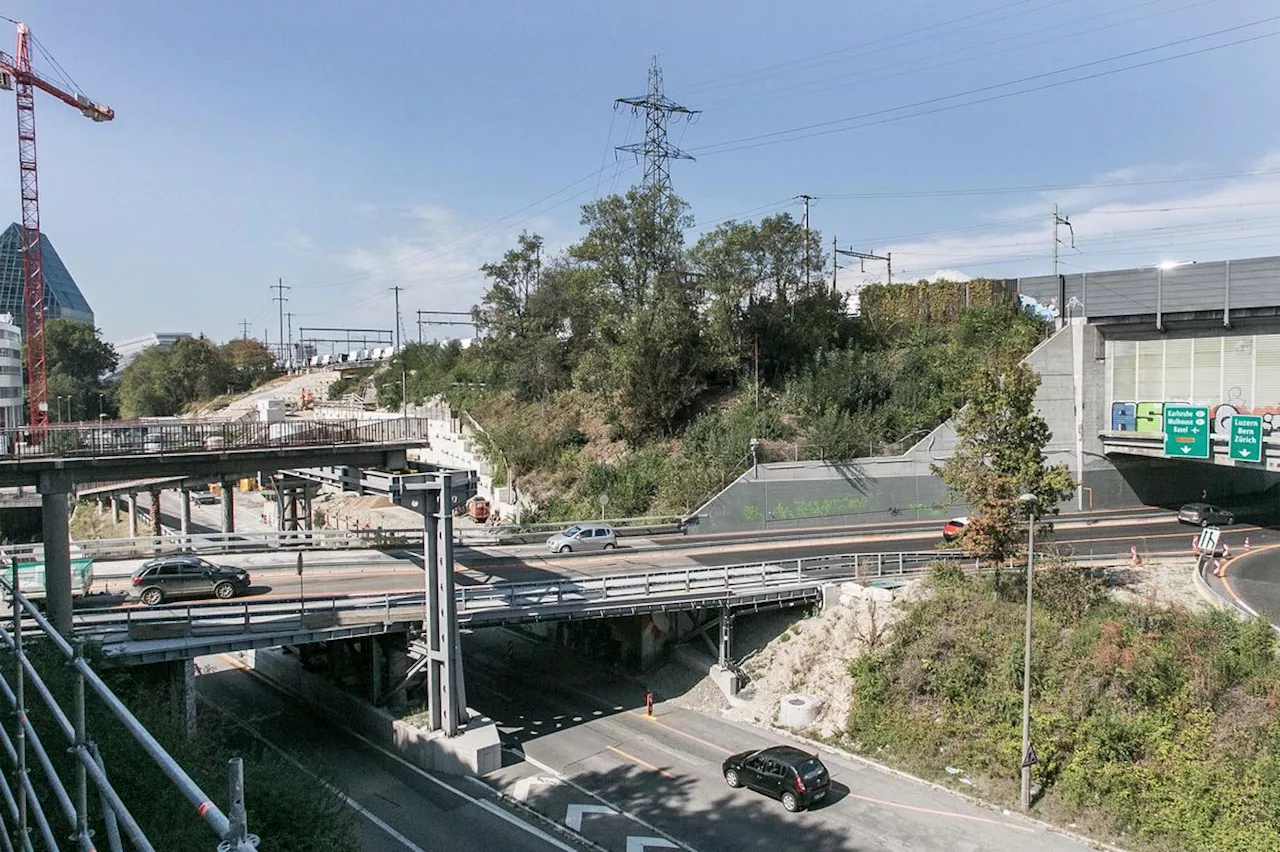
883	116
967	54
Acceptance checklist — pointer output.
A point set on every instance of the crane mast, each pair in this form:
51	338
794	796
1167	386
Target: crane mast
16	73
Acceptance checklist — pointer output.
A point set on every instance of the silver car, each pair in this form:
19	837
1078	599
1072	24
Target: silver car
583	537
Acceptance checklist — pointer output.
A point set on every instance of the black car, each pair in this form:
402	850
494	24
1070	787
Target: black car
784	772
1205	515
184	577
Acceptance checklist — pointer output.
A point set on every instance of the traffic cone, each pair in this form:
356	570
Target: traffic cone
1217	568
1135	560
1247	546
1226	551
1193	544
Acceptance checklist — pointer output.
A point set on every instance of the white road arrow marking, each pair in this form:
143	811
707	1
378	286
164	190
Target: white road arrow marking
573	816
639	844
525	784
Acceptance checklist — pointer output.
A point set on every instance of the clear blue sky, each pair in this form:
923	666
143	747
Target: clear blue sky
352	147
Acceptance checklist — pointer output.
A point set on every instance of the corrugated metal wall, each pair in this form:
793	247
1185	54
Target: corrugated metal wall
1214	286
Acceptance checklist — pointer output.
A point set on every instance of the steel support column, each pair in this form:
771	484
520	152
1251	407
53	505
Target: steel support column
726	636
446	696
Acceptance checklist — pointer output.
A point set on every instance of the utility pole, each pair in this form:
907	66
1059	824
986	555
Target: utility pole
244	329
864	256
655	149
397	290
289	339
805	199
835	263
280	297
1058	280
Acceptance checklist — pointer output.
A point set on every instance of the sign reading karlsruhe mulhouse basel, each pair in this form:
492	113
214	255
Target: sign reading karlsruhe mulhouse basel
1186	431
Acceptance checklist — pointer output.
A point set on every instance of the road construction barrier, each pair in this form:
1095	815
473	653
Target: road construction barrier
1135	561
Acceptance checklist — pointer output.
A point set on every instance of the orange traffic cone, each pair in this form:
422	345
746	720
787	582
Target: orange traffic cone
1247	546
1217	568
1135	560
1193	544
1226	551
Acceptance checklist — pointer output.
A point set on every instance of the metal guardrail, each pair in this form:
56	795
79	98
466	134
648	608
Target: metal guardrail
23	803
317	539
654	589
128	438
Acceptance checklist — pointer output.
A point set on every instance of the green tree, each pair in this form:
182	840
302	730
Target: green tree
251	363
1000	456
77	358
161	383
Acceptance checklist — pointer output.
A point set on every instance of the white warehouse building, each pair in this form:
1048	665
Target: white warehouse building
11	396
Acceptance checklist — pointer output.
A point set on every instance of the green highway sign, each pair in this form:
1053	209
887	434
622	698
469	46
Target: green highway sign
1186	431
1246	437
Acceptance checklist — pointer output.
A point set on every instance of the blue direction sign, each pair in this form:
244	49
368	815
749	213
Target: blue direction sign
1186	431
1246	437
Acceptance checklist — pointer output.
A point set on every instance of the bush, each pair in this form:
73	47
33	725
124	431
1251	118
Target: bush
1164	725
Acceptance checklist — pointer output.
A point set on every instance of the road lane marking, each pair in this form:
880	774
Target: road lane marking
574	813
655	720
935	812
646	764
481	803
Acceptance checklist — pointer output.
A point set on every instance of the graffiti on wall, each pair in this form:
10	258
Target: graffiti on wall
1149	416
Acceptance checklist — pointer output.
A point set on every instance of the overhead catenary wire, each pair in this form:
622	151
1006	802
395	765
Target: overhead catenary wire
967	54
885	116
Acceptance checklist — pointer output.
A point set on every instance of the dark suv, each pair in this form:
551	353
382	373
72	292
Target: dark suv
797	778
184	577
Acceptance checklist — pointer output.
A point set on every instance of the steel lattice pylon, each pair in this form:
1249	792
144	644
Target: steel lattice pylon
656	149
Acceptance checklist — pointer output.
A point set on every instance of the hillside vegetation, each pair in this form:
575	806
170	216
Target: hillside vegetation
627	365
1157	726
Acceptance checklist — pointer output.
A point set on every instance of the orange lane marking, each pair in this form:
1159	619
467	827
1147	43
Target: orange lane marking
1232	560
664	773
676	730
933	812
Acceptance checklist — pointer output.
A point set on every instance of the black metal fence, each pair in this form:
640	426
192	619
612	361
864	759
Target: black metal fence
183	436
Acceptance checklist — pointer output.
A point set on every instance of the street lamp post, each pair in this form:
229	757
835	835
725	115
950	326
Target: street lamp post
1029	501
101	415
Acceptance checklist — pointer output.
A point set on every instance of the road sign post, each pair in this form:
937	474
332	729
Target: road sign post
1208	541
1186	431
1246	437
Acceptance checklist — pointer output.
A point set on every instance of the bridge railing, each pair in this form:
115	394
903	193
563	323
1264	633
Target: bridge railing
209	618
179	436
70	800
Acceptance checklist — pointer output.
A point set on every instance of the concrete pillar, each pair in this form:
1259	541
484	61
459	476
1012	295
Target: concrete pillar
182	694
228	507
133	515
376	662
56	515
115	510
157	529
184	512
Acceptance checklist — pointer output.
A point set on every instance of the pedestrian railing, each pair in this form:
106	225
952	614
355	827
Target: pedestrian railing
160	437
68	802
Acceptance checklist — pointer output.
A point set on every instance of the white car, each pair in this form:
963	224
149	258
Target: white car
583	537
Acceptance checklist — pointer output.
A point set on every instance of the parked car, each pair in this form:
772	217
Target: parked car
168	577
583	537
1205	515
952	529
796	777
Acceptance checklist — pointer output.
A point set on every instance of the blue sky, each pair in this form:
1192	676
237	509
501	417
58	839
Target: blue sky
349	149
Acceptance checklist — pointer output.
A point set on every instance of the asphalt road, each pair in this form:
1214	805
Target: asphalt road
578	736
1254	580
399	807
342	573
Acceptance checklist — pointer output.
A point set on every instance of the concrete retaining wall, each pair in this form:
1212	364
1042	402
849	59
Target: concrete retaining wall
475	752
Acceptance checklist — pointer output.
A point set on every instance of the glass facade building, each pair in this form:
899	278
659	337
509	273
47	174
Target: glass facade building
63	299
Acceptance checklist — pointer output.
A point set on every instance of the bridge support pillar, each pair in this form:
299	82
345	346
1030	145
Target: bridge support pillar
55	493
157	529
133	515
446	694
228	507
115	510
182	694
184	512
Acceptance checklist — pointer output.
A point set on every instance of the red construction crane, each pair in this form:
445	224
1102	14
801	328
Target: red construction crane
17	74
